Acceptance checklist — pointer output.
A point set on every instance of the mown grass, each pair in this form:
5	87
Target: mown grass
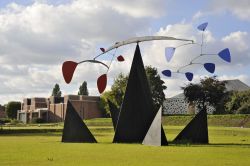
234	120
228	146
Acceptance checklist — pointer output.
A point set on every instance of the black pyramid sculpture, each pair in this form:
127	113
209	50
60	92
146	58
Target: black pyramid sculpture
196	131
136	113
75	129
114	113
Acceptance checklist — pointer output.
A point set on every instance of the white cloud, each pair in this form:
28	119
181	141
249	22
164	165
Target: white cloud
241	9
238	40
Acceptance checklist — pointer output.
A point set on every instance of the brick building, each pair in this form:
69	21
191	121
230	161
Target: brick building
53	109
2	112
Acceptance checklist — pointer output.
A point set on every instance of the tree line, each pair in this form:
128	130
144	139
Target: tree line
83	90
208	92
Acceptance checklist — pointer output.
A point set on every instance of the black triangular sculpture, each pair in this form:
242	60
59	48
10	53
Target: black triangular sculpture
164	141
136	113
114	113
75	129
196	131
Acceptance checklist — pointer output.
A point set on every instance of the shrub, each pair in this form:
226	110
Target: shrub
4	120
244	109
38	120
14	121
12	108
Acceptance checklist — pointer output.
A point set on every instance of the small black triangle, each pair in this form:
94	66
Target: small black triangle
75	129
164	141
196	131
114	113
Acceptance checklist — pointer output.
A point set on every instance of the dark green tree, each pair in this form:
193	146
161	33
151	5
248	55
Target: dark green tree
56	91
11	109
83	89
210	91
157	87
119	87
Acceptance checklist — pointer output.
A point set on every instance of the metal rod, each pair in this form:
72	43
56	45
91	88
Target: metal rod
140	39
190	64
208	54
94	61
112	60
186	44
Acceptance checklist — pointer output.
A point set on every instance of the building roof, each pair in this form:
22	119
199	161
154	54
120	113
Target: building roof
236	85
181	96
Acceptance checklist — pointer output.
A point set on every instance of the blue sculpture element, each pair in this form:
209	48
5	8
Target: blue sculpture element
210	67
225	55
169	52
189	76
166	73
203	26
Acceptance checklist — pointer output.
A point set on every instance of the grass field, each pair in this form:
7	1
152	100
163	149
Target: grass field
228	146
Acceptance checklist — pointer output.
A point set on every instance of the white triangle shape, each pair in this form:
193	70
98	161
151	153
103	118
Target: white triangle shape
153	136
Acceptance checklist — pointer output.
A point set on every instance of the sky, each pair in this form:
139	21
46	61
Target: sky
37	36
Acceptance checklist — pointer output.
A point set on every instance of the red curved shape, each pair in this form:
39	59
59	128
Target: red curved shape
120	58
102	83
68	69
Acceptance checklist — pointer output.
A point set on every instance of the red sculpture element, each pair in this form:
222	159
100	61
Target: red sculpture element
102	83
120	58
68	69
102	49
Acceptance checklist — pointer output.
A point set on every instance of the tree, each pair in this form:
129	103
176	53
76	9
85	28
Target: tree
12	108
119	87
238	102
210	91
157	87
83	89
56	91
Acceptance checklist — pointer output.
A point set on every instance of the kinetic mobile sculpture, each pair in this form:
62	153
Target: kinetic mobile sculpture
136	122
210	67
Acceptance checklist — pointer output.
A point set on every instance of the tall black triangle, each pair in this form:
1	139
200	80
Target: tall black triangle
114	111
75	129
136	114
196	131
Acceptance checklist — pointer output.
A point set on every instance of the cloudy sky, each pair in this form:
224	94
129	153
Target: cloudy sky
37	36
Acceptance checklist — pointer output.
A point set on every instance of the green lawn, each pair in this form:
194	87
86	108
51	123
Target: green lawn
228	146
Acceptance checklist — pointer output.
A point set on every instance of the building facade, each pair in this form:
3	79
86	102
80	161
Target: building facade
53	109
2	112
